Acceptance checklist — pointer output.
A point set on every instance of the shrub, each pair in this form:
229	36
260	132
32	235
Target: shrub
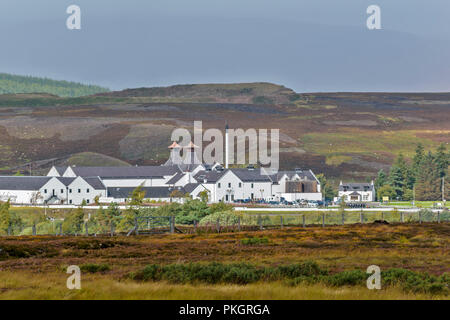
254	241
346	278
94	268
294	274
225	218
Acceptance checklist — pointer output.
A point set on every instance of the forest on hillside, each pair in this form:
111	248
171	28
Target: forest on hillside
11	84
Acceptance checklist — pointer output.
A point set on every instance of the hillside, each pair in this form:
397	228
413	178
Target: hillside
12	84
344	135
256	93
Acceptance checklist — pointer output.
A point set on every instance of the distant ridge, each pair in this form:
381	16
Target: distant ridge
255	93
13	84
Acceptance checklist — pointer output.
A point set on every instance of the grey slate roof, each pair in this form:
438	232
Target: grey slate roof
253	175
61	170
356	187
23	183
304	174
95	182
191	187
175	178
150	192
66	180
126	172
210	176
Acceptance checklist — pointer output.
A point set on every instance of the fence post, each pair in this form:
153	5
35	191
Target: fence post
439	217
401	216
343	218
34	229
195	226
361	217
382	216
323	219
60	229
218	225
86	229
9	230
281	222
172	224
112	229
304	221
239	224
260	222
420	216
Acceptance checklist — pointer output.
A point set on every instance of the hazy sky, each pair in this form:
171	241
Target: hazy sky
314	45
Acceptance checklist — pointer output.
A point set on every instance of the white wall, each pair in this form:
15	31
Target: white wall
266	188
17	196
133	183
54	187
302	196
80	190
53	173
365	196
229	186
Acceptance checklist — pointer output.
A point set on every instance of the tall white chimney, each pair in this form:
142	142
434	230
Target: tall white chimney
226	147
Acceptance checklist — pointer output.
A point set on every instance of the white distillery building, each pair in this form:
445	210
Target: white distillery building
50	190
357	192
165	183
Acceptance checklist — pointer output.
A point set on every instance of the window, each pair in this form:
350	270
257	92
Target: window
87	190
226	198
87	201
252	185
70	201
45	190
79	190
218	186
62	190
229	185
240	185
70	190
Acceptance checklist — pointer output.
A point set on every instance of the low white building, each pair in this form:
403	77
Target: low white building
357	192
75	185
50	190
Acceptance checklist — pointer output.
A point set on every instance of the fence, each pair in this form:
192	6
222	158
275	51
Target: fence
272	221
155	225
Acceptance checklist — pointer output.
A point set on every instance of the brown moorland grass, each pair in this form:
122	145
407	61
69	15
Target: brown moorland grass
41	260
52	286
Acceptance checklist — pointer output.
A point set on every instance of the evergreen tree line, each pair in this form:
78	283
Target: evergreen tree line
11	84
423	176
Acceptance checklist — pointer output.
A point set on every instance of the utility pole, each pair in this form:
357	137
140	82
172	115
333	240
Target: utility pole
414	195
443	190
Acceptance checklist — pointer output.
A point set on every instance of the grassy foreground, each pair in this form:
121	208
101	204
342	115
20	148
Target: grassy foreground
101	287
34	267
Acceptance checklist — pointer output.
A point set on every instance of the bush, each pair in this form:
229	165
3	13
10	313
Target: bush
417	282
237	273
254	241
94	268
295	274
225	218
346	278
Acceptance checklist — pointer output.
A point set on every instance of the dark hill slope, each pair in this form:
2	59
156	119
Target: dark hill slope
345	135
